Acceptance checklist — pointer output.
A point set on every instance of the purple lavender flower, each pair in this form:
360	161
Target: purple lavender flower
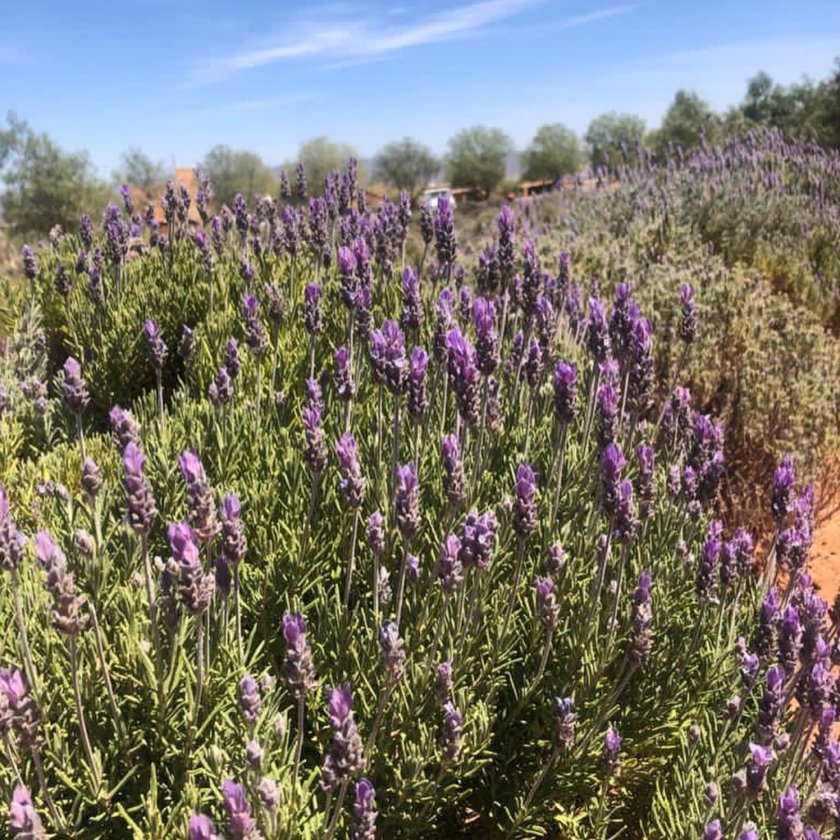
19	713
645	489
345	757
565	392
713	831
201	827
450	571
364	815
390	342
556	561
445	242
506	250
375	533
612	748
345	386
525	516
607	400
199	497
761	758
790	639
641	641
124	427
140	504
450	740
626	518
486	346
76	396
11	540
234	544
478	539
462	368
196	586
30	262
784	481
352	484
412	312
255	334
393	650
427	225
312	308
155	345
597	335
611	466
241	824
315	453
789	824
268	794
418	401
454	480
565	720
709	562
24	822
249	700
443	681
547	606
406	501
220	390
688	323
443	323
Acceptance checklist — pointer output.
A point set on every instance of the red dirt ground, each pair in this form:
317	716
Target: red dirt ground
825	557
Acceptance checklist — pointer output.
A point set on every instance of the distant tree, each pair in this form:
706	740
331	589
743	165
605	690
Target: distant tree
687	119
791	108
477	158
554	151
44	185
610	136
320	156
406	164
233	171
826	109
139	170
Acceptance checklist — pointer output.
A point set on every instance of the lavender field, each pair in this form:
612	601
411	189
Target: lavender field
323	518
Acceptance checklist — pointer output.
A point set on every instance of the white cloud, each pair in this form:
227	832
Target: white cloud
346	40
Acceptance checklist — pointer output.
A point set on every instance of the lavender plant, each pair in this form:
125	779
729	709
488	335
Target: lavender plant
543	626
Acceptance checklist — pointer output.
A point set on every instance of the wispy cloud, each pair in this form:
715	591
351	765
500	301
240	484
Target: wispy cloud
345	39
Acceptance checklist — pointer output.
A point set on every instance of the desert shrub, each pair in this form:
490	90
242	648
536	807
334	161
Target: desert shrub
540	632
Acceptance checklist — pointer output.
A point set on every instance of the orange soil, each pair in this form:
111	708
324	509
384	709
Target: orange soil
825	557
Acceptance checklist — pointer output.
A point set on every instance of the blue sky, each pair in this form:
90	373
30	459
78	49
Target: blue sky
175	77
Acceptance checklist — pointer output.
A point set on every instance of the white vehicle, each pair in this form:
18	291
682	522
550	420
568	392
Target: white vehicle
431	197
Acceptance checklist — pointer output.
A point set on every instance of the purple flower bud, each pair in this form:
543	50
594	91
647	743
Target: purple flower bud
462	369
298	667
196	586
253	756
352	484
525	517
269	794
249	700
445	242
641	639
454	480
315	452
556	561
506	224
612	747
761	758
450	740
240	822
789	824
345	386
364	815
487	340
375	533
565	720
11	540
417	400
155	346
24	822
597	335
393	650
443	681
345	756
412	312
565	392
449	569
140	504
784	481
612	464
547	605
312	308
76	397
688	324
478	539
406	501
713	831
201	827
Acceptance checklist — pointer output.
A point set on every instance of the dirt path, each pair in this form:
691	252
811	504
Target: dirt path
825	557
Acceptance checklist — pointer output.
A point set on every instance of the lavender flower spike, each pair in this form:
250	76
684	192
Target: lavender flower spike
297	665
406	501
24	822
364	815
525	517
345	756
201	827
240	822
